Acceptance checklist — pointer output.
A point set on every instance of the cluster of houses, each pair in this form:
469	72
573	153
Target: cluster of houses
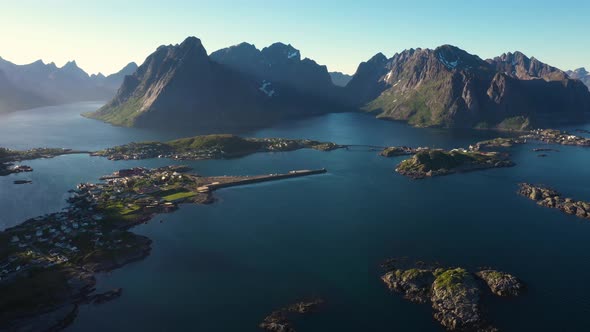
558	137
50	239
159	150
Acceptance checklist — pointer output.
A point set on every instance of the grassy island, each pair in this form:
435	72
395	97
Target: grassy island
454	293
428	163
210	147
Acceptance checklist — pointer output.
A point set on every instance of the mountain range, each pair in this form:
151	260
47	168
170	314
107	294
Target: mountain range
236	87
242	86
448	87
39	84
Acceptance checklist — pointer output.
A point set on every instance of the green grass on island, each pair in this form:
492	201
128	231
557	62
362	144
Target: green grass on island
451	279
210	147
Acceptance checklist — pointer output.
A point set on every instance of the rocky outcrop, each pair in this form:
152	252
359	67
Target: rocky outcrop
550	198
414	284
455	300
281	320
454	293
500	283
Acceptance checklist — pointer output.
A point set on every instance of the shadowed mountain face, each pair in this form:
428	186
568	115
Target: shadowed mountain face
40	84
449	87
282	66
580	74
238	87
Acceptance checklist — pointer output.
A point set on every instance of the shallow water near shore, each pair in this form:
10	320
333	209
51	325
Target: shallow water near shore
224	267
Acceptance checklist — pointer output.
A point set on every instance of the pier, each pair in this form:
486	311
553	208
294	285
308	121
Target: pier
240	181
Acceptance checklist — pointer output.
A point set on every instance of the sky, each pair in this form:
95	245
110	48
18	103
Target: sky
103	36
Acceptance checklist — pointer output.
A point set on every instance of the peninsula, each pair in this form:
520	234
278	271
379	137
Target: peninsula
47	264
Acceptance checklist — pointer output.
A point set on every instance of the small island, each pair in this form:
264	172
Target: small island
436	162
547	197
210	147
281	320
47	264
554	136
497	143
9	157
454	293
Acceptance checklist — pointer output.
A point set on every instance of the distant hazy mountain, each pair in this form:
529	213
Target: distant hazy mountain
114	81
580	74
340	79
449	87
241	86
41	84
13	98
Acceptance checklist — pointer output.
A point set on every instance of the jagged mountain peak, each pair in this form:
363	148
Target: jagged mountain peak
279	51
520	66
129	68
377	58
578	73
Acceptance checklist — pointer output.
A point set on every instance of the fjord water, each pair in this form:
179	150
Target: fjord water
223	267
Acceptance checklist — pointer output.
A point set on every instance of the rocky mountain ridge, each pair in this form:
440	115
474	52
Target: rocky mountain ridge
449	87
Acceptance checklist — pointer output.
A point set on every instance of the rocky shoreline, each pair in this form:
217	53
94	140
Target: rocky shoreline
281	320
453	293
547	197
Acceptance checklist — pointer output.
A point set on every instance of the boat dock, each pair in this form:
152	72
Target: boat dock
257	179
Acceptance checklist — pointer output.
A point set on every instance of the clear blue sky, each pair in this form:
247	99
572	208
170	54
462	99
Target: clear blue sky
105	35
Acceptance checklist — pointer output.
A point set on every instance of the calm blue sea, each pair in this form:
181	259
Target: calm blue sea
224	267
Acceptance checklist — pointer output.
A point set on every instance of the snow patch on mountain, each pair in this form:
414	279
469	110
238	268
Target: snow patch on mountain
448	64
266	88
